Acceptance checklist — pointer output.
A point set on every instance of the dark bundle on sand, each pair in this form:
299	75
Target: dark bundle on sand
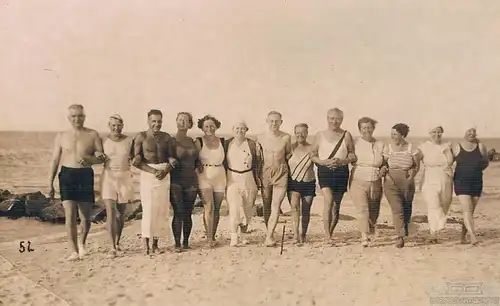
23	205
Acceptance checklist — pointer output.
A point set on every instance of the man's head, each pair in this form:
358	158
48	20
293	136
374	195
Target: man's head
155	120
76	115
274	121
335	117
301	131
115	124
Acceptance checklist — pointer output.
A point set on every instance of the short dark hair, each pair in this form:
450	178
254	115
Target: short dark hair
367	120
208	117
155	112
402	129
304	125
273	112
189	116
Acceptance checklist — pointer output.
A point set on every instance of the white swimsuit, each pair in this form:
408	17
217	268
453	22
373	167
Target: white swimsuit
116	178
213	175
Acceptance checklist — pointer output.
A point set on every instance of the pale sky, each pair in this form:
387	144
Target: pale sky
418	62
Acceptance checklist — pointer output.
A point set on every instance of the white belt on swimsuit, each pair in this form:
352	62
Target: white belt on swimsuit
210	165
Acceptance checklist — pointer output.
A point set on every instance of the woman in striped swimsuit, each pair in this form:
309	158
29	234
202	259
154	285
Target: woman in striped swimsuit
403	162
211	174
471	157
301	182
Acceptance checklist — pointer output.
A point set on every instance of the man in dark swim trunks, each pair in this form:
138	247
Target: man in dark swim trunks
76	150
154	155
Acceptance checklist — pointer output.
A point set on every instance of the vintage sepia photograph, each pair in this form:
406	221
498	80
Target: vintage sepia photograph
280	152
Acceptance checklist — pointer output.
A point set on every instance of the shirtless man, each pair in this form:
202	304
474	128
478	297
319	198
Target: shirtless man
116	180
154	156
333	151
277	148
76	150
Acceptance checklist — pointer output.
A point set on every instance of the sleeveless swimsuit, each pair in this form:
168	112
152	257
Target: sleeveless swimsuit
185	175
338	178
213	175
468	178
301	177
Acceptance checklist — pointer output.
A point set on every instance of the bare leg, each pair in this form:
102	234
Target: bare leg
120	223
111	224
267	199
176	199
306	215
187	209
294	199
468	211
278	196
85	210
208	200
337	200
327	212
70	215
146	245
218	198
469	205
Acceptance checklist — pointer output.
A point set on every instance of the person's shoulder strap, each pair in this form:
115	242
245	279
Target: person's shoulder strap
339	143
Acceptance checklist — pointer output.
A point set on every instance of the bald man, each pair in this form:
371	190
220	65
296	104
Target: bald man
116	180
243	165
76	150
277	148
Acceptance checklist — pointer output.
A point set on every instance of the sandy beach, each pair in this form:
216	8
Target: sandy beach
254	275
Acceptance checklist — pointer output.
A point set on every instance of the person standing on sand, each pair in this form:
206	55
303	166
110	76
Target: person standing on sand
437	185
333	151
301	183
403	161
243	166
211	174
154	155
277	149
76	151
471	157
365	181
116	180
184	182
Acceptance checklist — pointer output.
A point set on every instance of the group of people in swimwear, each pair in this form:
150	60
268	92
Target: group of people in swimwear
176	169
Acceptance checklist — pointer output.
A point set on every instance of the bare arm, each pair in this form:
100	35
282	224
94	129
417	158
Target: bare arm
417	157
314	151
138	161
260	160
198	164
351	154
56	158
288	147
484	152
172	152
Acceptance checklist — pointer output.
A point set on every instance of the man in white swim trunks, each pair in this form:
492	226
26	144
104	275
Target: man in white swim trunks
116	179
154	155
277	148
76	150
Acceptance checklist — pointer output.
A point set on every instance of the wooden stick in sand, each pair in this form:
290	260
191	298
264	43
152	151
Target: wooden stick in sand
282	239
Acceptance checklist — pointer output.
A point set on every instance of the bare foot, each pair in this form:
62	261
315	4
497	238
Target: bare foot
73	257
111	254
474	241
178	249
211	244
118	248
269	242
81	251
365	242
400	242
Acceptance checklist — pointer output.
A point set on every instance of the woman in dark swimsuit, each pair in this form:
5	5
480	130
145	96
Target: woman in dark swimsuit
471	157
184	182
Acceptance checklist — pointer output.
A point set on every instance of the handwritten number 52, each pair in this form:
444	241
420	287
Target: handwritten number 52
23	248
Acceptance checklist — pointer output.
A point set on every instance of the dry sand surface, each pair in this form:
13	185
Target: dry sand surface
253	275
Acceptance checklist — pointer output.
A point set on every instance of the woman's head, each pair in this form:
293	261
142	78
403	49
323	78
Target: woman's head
436	133
301	131
184	121
366	126
471	134
208	124
240	129
399	132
